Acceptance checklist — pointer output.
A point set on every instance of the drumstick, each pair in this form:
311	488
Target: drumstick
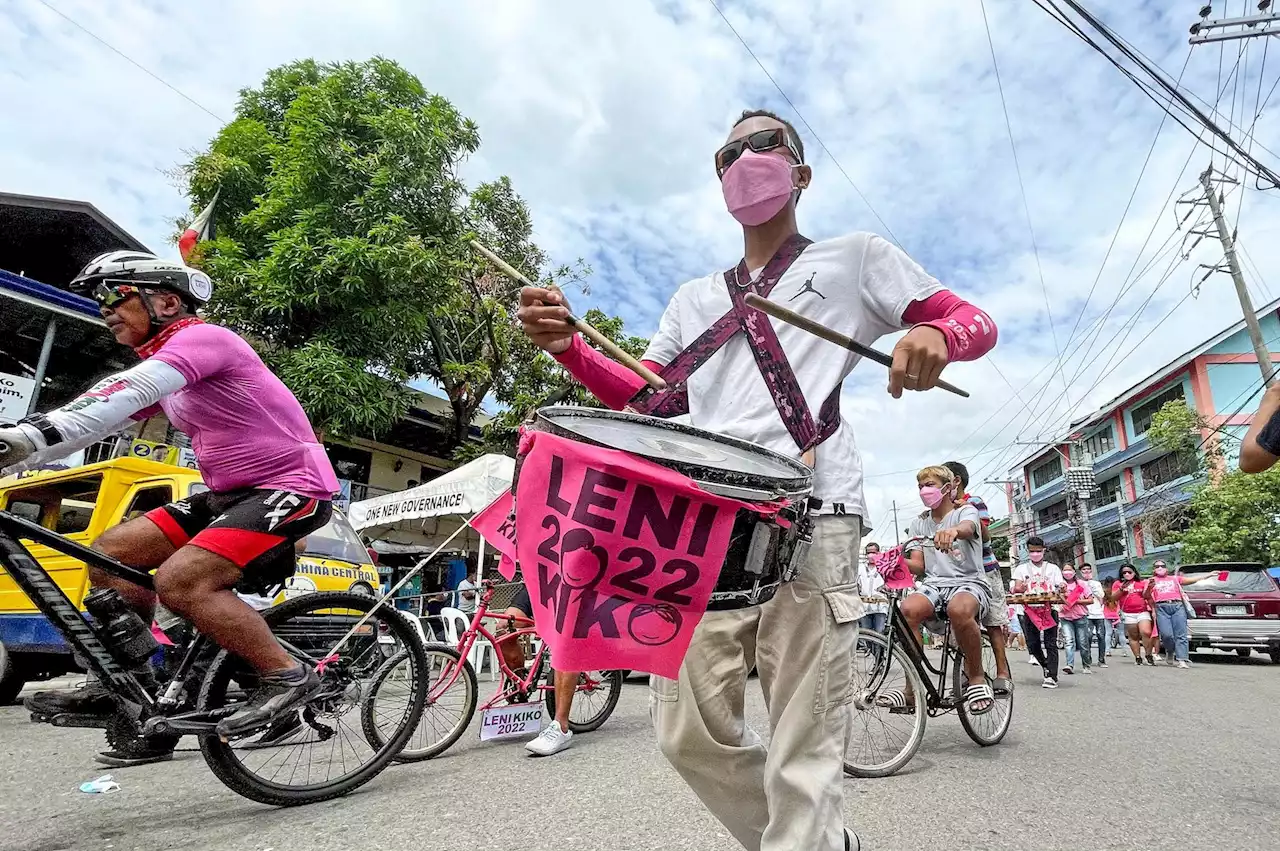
611	348
817	329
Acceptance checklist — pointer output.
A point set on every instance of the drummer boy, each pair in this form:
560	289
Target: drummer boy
790	794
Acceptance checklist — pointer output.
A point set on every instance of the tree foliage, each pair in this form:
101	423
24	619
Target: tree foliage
1236	519
1000	546
342	245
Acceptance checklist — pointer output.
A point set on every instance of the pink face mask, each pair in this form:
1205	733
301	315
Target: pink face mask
1068	576
1036	558
756	187
1161	571
931	496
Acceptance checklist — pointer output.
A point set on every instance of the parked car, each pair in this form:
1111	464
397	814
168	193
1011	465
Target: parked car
1238	608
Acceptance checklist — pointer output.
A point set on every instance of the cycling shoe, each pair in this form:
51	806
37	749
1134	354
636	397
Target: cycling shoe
92	698
275	694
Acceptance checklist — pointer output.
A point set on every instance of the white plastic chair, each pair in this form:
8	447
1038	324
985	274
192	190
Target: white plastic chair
455	623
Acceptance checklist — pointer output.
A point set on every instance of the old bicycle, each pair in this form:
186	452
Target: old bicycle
887	730
452	693
346	637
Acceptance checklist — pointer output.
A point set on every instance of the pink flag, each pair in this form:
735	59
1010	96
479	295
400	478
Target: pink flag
620	555
495	525
200	228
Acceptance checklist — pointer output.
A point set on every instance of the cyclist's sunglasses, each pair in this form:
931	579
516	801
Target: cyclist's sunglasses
760	142
111	295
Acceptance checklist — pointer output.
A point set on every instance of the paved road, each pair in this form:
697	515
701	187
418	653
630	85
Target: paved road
1127	758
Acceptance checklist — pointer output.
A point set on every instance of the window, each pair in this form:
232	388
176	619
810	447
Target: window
350	463
1143	414
1108	491
1164	469
1108	545
1046	471
68	504
147	499
1101	443
1053	513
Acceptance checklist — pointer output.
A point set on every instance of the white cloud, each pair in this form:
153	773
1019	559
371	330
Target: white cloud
606	115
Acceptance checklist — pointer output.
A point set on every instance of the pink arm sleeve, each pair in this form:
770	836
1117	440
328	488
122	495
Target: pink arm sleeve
608	380
970	333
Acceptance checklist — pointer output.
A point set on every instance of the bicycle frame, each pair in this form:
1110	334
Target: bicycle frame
82	634
937	698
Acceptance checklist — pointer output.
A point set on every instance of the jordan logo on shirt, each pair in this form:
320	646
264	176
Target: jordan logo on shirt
808	288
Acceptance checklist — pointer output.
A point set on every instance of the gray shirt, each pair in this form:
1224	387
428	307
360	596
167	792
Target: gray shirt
959	567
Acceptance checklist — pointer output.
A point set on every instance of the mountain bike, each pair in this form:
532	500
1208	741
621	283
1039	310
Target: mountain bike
452	693
316	755
894	677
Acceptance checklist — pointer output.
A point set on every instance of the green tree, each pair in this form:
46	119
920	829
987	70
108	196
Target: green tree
342	249
1000	546
1235	519
1177	428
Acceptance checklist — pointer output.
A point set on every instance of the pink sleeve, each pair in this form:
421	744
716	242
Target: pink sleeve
970	333
146	413
608	380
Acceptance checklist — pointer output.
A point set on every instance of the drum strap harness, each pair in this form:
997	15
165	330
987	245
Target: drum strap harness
765	347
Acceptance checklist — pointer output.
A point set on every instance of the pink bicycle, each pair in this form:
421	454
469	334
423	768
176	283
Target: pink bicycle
452	689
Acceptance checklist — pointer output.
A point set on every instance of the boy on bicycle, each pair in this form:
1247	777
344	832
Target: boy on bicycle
954	587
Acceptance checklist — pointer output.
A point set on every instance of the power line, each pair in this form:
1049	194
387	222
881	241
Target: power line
153	75
1026	207
805	122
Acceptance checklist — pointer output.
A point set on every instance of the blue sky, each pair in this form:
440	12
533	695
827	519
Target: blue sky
606	116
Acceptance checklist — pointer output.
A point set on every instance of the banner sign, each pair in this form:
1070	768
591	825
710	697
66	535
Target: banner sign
509	722
620	555
413	506
15	393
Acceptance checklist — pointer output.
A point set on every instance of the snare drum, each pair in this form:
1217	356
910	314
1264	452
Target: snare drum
760	549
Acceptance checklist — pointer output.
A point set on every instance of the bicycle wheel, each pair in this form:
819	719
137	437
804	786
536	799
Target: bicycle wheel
593	702
317	753
451	702
880	741
988	728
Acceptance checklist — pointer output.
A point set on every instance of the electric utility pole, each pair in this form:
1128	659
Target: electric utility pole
1264	23
1233	266
1124	522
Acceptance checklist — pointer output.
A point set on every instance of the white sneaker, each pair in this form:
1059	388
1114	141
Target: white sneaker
1032	661
1183	665
550	741
1157	657
1087	671
1049	683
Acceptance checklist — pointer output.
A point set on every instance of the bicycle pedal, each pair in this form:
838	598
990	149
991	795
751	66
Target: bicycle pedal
100	722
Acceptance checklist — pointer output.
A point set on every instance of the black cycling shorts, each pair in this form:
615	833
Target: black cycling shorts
521	601
253	528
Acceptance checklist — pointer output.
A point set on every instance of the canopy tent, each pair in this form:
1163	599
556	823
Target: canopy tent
425	516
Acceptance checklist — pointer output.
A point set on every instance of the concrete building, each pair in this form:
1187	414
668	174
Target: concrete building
55	345
1219	378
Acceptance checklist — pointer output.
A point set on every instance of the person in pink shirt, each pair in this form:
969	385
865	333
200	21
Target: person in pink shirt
1075	617
1164	592
270	481
1135	613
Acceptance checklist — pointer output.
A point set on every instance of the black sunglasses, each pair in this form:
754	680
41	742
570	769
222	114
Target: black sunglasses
110	294
760	142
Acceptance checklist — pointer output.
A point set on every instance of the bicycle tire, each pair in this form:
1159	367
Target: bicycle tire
864	703
222	758
612	680
466	676
978	727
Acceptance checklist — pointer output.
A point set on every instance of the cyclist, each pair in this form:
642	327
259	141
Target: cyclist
953	586
556	736
270	480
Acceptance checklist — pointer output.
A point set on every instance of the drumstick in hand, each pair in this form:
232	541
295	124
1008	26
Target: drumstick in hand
611	348
817	329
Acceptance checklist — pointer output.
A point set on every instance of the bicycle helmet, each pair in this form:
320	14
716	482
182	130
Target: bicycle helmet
146	271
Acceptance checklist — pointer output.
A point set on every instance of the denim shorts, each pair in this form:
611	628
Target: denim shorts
941	596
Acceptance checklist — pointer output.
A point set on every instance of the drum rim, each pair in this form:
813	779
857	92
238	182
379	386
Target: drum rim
798	485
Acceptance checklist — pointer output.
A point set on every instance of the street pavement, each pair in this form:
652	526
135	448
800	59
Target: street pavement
1129	758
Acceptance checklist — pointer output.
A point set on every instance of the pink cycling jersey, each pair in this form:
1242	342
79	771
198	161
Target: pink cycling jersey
247	429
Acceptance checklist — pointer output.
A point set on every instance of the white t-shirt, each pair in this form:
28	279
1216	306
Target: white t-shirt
871	584
859	285
1044	577
1095	591
464	605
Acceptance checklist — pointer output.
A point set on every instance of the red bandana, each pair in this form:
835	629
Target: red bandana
150	347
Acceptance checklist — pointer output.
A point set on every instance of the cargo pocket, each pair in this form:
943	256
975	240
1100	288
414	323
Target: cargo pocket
663	689
835	678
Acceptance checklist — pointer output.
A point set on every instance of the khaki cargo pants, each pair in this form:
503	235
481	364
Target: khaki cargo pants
790	795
